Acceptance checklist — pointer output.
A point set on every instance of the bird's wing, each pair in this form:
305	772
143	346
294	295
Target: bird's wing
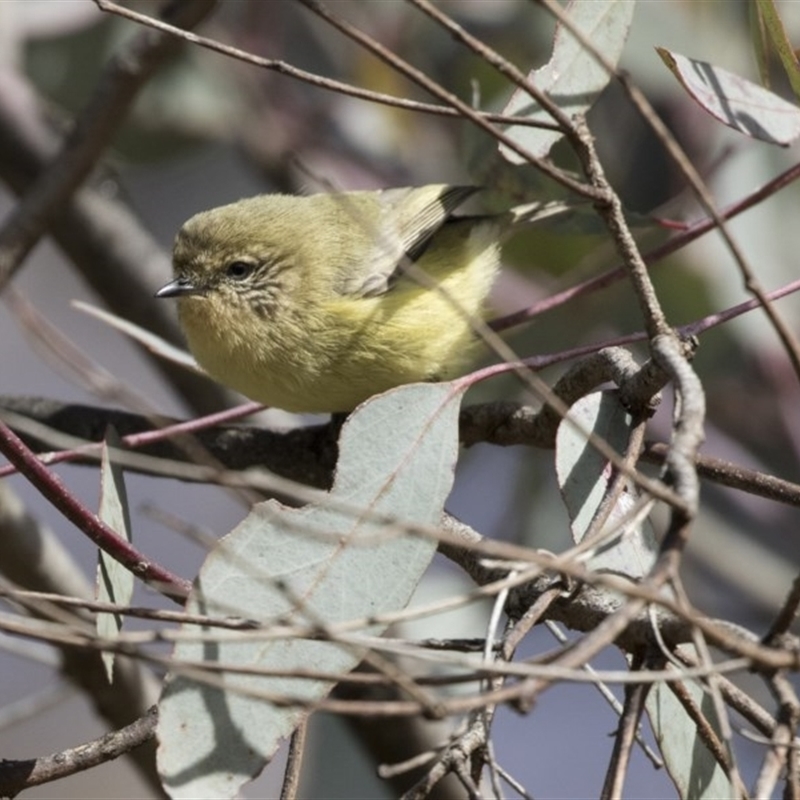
420	212
410	217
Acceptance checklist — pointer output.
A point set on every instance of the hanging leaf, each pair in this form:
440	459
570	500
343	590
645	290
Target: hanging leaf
740	104
114	582
572	78
585	478
768	14
316	566
692	768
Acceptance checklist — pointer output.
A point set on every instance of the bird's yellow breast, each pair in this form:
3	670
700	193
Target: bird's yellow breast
331	352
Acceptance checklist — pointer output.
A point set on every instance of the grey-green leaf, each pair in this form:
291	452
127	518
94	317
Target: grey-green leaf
694	771
586	477
114	582
740	104
326	563
572	78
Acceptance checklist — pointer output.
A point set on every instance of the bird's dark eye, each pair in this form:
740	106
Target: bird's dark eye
238	270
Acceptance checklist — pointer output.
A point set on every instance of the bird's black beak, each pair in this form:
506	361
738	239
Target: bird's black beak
180	287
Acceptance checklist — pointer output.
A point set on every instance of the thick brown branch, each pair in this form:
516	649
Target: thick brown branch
306	455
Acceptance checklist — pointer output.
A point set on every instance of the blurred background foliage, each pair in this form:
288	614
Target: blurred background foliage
209	129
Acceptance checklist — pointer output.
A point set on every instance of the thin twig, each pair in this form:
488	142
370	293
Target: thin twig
306	455
147	438
687	168
465	110
732	475
502	65
103	239
712	685
294	763
781	754
311	78
705	729
611	699
785	616
687	437
635	696
652	257
513	783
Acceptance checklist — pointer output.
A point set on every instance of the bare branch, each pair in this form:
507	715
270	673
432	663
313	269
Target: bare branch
16	776
635	696
291	778
311	78
785	616
465	110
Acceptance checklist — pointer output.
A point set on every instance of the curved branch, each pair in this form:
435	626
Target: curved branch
104	537
305	455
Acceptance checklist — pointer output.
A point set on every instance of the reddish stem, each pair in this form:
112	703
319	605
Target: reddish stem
690	233
54	490
135	440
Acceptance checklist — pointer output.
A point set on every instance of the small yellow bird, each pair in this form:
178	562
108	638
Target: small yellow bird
314	304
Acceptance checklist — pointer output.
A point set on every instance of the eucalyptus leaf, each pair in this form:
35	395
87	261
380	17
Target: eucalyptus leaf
314	567
692	768
115	582
572	78
626	543
781	41
740	104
